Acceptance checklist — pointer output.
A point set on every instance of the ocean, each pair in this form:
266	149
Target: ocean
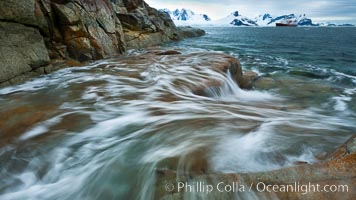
321	55
103	131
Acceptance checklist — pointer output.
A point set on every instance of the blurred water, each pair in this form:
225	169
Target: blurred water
299	58
101	131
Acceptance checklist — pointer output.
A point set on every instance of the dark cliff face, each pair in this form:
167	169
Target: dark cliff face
38	35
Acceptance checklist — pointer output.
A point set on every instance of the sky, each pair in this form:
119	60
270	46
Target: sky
336	11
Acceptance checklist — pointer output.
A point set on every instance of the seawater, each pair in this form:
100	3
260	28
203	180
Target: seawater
104	135
319	54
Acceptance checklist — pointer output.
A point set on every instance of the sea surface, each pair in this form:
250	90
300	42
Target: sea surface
101	132
311	55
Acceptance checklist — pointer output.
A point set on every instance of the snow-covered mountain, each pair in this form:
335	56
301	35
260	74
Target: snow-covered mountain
269	20
235	19
263	20
182	17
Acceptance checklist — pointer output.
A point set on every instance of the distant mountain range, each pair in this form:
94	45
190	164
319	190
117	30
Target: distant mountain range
187	17
183	17
269	20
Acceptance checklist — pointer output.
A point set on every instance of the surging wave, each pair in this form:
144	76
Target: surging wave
108	127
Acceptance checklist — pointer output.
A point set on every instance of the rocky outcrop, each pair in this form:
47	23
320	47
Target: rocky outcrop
336	173
187	31
201	62
249	78
38	36
22	50
183	71
18	11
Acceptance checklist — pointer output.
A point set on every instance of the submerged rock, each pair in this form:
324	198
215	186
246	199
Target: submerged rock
169	52
199	61
187	31
308	74
265	83
248	78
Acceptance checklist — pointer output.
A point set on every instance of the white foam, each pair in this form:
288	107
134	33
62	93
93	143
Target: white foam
340	103
42	127
239	153
306	156
231	91
353	78
350	91
36	131
127	133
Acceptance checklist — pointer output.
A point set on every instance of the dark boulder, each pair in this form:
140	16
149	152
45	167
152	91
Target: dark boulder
187	32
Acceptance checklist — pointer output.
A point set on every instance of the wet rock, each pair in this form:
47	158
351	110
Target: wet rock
321	156
196	162
66	124
308	74
188	32
19	119
265	83
304	91
300	163
338	169
80	49
200	62
248	78
169	52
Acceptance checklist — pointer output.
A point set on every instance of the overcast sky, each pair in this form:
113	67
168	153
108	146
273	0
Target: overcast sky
338	11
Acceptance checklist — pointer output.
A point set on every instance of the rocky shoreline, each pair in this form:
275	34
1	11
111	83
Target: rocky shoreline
40	36
337	169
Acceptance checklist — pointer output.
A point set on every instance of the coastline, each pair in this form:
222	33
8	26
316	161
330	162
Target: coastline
39	37
58	36
335	169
